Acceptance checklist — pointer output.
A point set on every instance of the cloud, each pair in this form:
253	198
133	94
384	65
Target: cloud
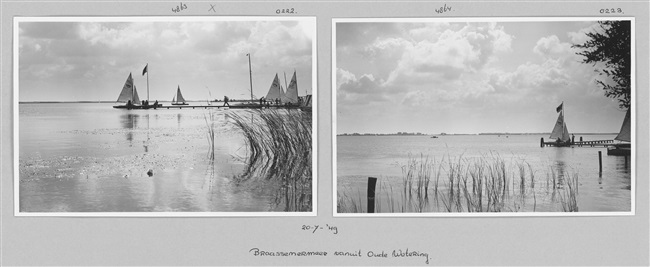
357	91
467	77
580	36
195	54
449	54
551	46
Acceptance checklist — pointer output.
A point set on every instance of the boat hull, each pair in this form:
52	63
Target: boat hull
138	106
180	104
619	150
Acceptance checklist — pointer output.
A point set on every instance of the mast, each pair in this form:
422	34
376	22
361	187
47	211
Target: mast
563	119
250	71
147	68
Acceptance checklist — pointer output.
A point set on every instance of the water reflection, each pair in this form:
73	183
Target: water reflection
129	121
145	143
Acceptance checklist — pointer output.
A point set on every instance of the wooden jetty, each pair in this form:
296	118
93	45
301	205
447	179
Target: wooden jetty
591	143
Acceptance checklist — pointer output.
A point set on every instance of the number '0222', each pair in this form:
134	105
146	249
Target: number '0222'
611	11
285	11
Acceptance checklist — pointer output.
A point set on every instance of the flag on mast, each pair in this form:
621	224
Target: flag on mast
559	108
145	69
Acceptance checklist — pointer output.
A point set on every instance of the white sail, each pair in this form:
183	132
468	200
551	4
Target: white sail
275	92
283	95
179	96
136	98
127	90
292	91
624	134
560	130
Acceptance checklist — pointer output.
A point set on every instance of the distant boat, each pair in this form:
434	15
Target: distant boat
434	136
560	132
625	147
129	95
178	99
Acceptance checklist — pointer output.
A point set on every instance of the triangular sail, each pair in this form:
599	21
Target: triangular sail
624	134
136	99
292	91
283	95
560	130
127	90
275	90
179	96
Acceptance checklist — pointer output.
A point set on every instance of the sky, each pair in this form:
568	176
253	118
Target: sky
91	60
467	77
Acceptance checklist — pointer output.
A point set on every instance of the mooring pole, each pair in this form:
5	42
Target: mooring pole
372	182
600	162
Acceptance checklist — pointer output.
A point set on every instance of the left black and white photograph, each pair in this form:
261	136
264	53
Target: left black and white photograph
164	116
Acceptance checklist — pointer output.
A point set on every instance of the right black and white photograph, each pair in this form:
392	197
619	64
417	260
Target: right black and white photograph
484	116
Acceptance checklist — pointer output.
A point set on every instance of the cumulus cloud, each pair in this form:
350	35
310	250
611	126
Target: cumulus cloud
464	75
450	53
201	55
551	46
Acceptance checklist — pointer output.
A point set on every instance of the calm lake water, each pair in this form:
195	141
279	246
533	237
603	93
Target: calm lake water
94	158
360	157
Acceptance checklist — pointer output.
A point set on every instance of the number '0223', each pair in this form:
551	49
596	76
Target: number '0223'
611	11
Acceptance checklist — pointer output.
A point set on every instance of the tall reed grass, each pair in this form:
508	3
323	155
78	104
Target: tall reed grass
279	145
210	133
481	184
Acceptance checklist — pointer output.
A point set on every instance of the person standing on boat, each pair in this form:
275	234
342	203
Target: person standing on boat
225	101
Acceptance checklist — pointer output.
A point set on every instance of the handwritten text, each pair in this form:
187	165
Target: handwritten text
443	9
179	8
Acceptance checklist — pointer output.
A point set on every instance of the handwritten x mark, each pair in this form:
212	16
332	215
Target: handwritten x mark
212	8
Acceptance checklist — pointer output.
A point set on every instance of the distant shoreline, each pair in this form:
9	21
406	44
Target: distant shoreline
439	135
86	102
64	102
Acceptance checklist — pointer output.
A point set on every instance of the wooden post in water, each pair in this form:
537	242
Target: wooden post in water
541	142
600	162
372	182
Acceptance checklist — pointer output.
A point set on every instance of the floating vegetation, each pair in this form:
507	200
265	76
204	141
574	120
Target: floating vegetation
280	150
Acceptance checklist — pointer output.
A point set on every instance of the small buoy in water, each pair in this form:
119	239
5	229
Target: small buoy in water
150	172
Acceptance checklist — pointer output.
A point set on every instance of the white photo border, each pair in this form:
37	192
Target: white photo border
312	20
485	214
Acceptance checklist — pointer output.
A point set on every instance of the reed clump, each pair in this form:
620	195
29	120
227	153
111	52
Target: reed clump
210	134
279	144
481	184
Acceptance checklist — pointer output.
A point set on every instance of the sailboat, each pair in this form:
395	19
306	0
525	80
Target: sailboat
275	91
623	148
178	99
291	95
129	95
560	132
